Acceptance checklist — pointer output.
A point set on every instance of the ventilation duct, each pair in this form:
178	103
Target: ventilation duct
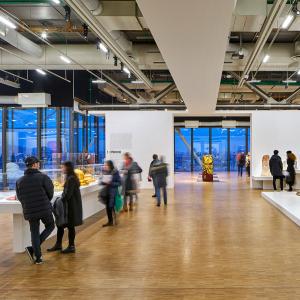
95	6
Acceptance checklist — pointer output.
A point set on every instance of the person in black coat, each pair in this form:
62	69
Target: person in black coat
111	185
241	163
153	162
159	173
71	197
276	169
35	191
291	159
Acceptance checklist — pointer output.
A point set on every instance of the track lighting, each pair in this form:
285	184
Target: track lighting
266	58
85	30
287	22
42	72
99	81
67	13
7	22
115	61
65	59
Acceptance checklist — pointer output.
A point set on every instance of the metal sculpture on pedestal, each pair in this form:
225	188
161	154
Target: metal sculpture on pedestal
208	168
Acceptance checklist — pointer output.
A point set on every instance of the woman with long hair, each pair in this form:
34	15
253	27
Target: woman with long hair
71	199
111	183
291	159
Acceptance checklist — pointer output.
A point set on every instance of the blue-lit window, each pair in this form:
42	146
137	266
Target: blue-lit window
21	141
101	139
201	145
237	145
249	140
81	134
92	134
183	139
49	137
219	148
1	158
65	133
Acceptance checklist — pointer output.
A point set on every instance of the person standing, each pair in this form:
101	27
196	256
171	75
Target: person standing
111	186
291	159
276	168
248	163
159	173
155	161
130	185
241	163
35	191
71	198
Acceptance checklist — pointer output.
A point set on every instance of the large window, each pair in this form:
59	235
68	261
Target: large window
222	143
183	141
101	139
237	145
1	158
80	133
49	137
219	148
92	134
65	132
201	145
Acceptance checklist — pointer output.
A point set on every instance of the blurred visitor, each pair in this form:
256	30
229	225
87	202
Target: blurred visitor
241	163
290	178
248	163
150	178
276	169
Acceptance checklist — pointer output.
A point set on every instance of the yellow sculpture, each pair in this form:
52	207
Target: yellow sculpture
208	168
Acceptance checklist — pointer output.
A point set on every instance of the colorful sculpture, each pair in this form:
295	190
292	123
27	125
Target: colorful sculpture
265	166
208	168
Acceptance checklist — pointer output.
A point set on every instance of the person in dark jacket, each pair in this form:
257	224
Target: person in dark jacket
71	197
153	162
35	191
112	186
291	159
276	168
159	173
130	185
241	163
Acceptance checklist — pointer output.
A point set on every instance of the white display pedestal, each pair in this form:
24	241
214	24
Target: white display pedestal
21	232
287	202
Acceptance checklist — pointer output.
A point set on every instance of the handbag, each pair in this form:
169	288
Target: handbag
103	194
118	202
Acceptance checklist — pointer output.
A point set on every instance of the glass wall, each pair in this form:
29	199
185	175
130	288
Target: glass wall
222	143
65	132
92	134
101	139
237	145
201	145
80	133
219	148
1	139
183	142
49	148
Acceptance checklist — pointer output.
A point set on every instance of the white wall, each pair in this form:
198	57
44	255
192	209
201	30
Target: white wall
142	134
273	130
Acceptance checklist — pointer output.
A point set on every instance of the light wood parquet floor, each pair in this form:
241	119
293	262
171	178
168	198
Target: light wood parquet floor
213	241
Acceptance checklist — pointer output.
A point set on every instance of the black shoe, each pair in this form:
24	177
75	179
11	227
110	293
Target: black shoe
38	261
166	203
29	251
55	248
158	205
70	249
154	196
107	224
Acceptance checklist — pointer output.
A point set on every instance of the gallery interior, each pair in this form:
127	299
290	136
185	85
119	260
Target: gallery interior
212	88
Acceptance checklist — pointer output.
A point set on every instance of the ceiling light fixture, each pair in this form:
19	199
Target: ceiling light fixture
137	82
254	80
56	1
298	72
99	81
44	35
65	59
7	22
67	13
289	81
42	72
103	47
287	22
126	70
266	58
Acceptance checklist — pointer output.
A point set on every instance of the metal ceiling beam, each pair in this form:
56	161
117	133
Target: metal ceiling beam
165	92
254	88
290	98
83	12
267	28
132	106
9	83
15	75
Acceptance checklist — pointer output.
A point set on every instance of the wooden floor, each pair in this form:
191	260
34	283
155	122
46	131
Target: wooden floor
213	241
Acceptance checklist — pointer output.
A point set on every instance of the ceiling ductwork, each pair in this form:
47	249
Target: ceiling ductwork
95	6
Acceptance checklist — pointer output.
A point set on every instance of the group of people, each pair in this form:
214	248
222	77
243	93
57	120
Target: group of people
276	169
35	191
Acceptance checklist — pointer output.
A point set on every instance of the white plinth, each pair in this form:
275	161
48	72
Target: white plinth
21	232
287	202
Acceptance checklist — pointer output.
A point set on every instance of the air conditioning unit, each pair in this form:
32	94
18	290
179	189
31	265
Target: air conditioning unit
191	124
34	99
229	124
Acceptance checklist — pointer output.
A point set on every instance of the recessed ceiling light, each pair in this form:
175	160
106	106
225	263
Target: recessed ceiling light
266	58
44	35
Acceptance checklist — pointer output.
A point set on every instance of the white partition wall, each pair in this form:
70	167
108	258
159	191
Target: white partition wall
142	134
274	130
